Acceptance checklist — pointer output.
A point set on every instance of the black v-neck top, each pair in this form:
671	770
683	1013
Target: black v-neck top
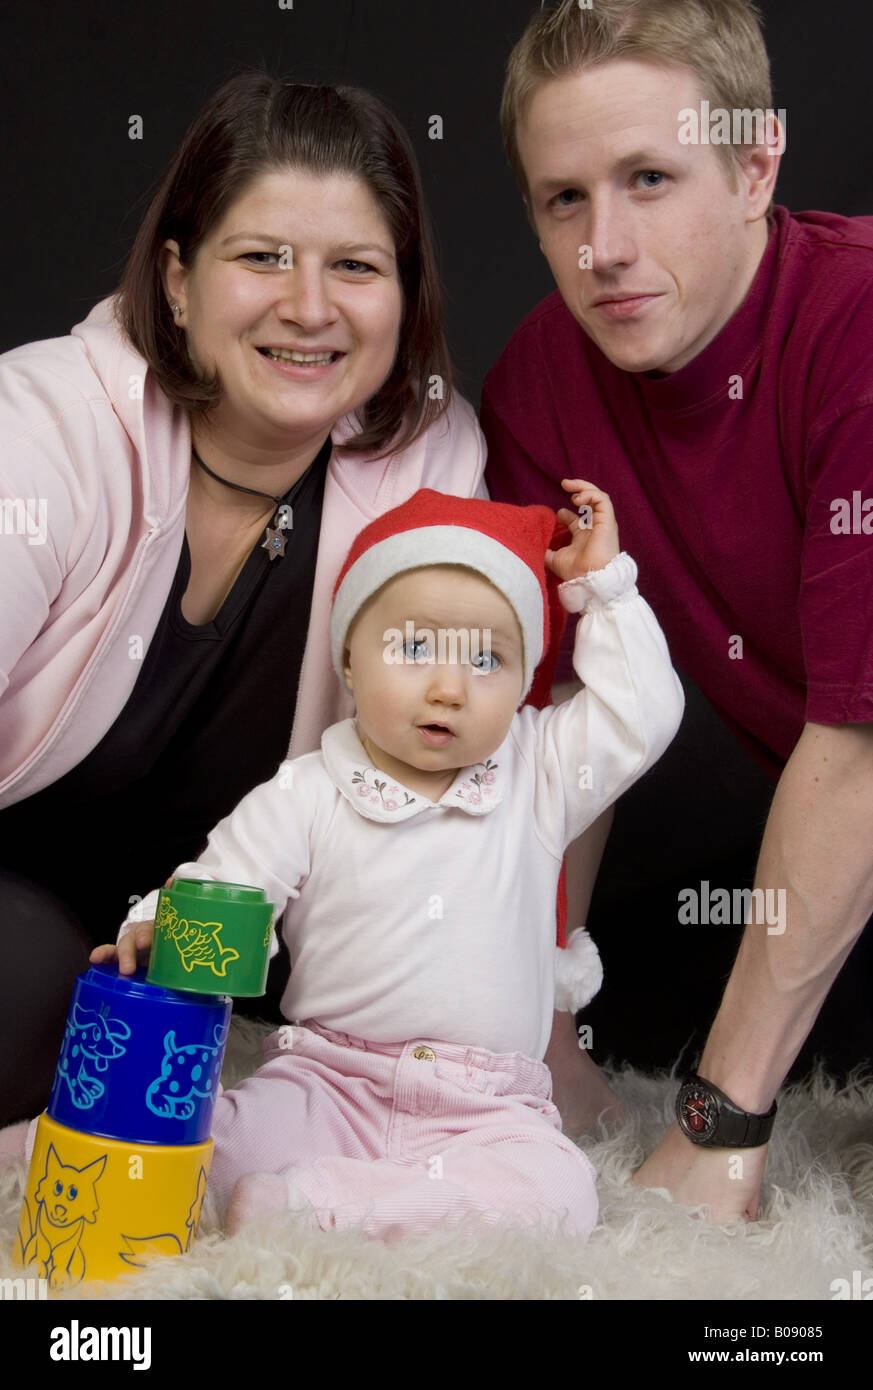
209	717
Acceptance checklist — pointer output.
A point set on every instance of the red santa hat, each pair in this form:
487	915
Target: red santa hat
504	543
507	545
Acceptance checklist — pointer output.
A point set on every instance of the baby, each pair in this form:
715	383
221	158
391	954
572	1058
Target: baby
415	860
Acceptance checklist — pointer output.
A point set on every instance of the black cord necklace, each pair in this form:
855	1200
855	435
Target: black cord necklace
274	540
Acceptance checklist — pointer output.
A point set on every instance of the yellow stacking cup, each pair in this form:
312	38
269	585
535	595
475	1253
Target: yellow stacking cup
97	1208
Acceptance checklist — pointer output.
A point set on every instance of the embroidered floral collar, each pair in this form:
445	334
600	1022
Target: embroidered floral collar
377	796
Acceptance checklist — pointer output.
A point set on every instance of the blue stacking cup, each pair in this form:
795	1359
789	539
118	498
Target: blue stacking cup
139	1062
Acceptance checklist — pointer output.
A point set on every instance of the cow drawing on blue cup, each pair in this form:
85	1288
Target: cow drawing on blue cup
188	1072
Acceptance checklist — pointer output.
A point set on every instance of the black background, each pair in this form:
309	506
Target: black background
76	187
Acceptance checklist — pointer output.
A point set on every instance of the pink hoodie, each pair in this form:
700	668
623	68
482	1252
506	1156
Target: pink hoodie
94	469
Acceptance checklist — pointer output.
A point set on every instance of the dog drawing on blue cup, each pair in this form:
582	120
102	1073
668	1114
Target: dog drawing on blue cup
186	1072
91	1040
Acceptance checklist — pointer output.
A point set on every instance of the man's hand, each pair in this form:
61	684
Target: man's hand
817	852
726	1181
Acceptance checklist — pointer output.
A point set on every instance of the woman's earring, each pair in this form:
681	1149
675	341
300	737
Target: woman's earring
176	310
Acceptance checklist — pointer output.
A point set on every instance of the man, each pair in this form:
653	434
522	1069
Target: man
707	361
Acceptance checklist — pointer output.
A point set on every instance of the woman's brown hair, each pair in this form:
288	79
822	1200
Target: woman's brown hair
256	123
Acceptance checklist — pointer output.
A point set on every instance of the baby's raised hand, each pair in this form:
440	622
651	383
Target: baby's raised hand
594	531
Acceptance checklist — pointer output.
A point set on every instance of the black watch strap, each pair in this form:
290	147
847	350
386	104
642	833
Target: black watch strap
707	1116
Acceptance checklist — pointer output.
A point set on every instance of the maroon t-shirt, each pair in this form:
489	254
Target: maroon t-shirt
739	482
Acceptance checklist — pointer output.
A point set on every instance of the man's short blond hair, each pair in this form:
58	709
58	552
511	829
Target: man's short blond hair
721	41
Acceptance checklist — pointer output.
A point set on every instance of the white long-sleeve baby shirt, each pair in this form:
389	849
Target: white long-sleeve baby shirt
411	919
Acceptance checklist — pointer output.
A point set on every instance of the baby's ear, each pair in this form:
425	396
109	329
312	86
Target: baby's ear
347	668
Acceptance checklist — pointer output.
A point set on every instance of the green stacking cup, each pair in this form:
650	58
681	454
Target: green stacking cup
212	938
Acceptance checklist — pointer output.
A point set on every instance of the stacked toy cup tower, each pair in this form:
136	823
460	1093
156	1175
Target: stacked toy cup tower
121	1156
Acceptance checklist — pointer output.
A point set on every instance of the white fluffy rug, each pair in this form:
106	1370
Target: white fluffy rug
817	1225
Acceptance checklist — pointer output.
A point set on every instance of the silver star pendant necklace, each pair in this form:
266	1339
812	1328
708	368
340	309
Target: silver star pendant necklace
274	541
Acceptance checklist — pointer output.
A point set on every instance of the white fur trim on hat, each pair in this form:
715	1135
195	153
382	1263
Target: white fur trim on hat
442	545
578	972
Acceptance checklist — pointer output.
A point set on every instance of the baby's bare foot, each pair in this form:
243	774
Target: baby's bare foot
263	1194
581	1106
255	1195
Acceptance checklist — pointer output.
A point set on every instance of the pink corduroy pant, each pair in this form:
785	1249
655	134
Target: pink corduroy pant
403	1138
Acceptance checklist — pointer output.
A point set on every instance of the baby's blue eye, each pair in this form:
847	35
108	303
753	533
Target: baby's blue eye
59	1187
415	649
73	1193
489	662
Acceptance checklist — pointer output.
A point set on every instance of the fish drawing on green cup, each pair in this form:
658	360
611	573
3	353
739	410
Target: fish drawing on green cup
198	943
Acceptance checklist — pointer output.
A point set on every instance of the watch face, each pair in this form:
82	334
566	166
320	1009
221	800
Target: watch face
697	1111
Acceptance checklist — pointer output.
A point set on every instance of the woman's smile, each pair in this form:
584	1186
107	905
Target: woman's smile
302	367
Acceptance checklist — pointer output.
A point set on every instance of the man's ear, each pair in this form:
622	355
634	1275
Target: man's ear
760	169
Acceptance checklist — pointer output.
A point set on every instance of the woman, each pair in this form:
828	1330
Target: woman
184	475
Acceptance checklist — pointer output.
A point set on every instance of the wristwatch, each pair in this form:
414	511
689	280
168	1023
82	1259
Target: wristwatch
707	1116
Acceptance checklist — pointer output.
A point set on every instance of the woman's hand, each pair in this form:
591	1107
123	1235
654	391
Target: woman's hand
132	950
595	532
